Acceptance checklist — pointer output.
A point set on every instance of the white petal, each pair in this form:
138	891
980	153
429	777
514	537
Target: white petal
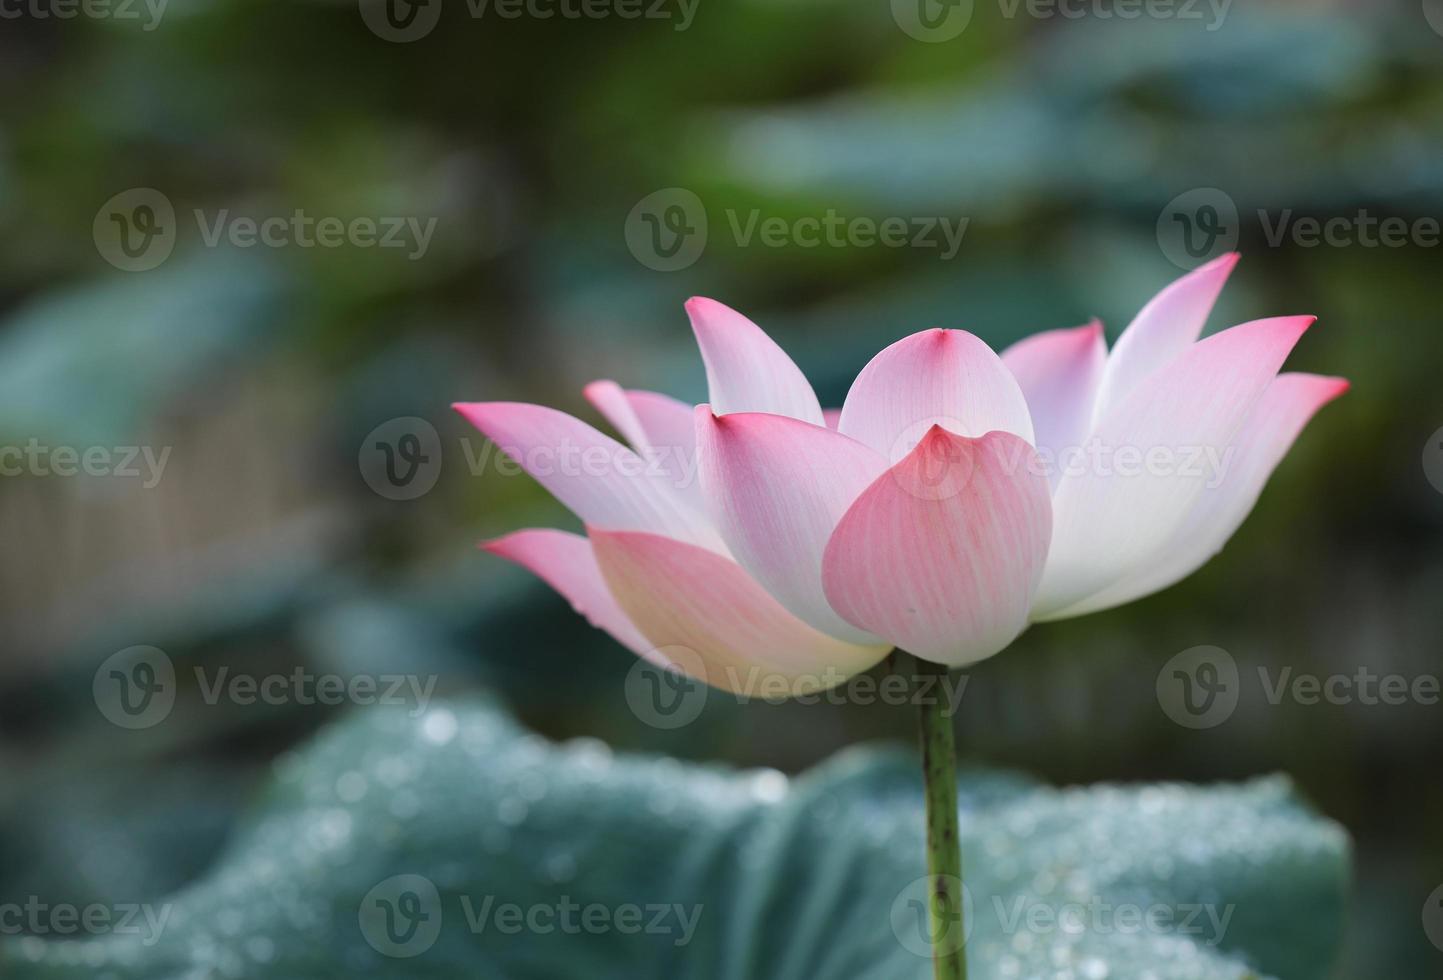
1275	423
1168	325
1131	489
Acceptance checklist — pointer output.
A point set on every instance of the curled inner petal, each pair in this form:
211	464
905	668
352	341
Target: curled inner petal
775	488
937	377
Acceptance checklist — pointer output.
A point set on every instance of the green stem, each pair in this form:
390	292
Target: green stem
944	856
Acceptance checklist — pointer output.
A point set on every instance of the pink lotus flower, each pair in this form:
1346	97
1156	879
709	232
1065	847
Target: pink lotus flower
956	497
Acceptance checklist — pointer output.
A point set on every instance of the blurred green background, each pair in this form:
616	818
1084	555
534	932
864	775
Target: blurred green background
1064	142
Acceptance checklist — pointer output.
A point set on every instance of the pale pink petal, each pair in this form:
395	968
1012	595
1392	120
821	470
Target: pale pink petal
667	421
597	478
943	553
659	428
832	417
1131	488
1058	372
937	377
745	369
1168	325
775	488
713	621
1234	482
565	562
609	398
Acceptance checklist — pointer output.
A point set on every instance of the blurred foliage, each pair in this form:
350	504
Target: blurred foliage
401	835
263	549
